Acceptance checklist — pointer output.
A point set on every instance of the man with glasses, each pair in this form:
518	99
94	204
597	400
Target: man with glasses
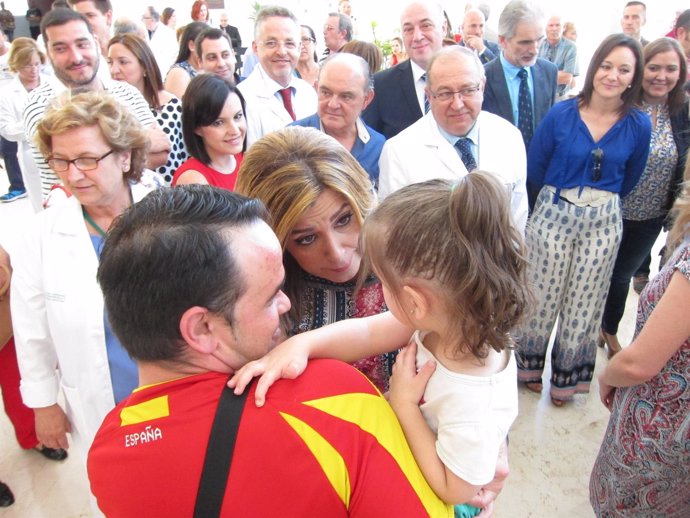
161	40
520	86
275	97
344	90
456	136
337	31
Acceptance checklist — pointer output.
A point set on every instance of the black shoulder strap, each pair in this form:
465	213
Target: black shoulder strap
221	444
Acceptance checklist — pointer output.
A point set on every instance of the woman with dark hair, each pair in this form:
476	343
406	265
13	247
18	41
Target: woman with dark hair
307	64
169	18
186	66
132	61
215	129
646	208
587	152
200	11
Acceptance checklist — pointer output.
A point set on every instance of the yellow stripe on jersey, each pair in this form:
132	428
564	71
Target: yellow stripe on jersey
332	463
146	411
348	407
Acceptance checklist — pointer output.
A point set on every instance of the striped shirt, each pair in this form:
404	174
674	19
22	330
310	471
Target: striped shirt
41	97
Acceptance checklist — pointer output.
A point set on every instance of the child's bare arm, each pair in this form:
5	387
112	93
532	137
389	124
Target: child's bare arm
347	340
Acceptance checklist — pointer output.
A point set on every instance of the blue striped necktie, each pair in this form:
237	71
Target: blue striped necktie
525	121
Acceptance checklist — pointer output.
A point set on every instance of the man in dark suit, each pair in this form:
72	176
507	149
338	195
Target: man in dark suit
519	71
235	38
473	36
400	100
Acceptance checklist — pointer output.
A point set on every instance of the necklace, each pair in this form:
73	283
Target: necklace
95	225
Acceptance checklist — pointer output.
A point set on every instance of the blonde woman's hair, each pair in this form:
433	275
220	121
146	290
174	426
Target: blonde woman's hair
461	239
120	128
680	213
21	52
288	170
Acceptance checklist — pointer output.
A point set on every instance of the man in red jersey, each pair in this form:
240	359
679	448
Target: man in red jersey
192	280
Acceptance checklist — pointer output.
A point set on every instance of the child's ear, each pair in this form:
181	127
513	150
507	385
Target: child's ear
416	301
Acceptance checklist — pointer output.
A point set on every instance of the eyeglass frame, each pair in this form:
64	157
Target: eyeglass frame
465	93
275	44
74	161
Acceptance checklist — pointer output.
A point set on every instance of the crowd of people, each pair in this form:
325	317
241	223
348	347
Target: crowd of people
431	219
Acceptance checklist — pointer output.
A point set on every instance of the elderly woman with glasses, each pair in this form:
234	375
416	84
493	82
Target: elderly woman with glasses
64	342
586	153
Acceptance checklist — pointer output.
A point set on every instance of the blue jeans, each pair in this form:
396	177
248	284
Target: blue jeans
638	239
14	172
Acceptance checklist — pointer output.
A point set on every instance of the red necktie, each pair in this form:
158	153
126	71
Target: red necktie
286	94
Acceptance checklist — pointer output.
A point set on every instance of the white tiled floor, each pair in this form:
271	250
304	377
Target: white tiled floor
551	449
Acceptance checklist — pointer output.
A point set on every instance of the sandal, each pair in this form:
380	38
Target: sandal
534	386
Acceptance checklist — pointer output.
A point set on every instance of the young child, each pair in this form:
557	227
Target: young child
453	268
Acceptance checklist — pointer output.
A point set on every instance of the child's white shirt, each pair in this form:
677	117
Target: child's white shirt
471	415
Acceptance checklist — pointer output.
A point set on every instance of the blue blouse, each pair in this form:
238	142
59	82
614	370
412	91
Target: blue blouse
560	153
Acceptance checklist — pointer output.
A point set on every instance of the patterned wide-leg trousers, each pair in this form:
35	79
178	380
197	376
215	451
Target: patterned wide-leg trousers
572	251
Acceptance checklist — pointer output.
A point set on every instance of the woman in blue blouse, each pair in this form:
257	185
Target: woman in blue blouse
645	209
586	153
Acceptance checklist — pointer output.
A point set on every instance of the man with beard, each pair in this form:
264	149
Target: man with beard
74	55
520	87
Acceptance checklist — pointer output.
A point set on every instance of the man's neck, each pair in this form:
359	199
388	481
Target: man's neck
346	137
553	43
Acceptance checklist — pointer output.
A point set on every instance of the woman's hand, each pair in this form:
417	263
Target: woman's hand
288	360
406	384
52	427
606	393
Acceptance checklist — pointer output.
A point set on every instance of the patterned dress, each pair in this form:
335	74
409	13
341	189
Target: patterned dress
169	118
643	467
325	302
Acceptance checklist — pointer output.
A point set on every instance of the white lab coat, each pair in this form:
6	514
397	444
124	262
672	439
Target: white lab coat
421	153
57	313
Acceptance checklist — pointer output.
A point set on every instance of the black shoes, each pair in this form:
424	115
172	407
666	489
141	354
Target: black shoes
6	496
52	453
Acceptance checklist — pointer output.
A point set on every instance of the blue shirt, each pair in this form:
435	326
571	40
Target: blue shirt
124	375
367	148
560	153
564	56
510	72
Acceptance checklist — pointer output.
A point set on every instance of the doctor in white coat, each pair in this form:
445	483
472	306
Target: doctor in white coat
272	86
429	148
98	149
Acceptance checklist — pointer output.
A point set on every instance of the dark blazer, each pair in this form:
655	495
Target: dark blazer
490	53
395	105
497	98
236	40
680	126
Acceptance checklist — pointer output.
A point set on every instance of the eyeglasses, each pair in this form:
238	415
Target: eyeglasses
597	159
83	163
465	93
274	44
307	40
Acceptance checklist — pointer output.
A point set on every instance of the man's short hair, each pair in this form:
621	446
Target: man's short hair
270	12
153	13
344	24
516	12
102	5
57	17
166	254
637	2
460	51
683	21
212	33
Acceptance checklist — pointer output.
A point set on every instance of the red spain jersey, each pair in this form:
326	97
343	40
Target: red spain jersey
326	444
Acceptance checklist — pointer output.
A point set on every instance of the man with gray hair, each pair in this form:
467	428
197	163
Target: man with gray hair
275	97
161	40
344	90
520	86
337	31
473	25
456	137
561	52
